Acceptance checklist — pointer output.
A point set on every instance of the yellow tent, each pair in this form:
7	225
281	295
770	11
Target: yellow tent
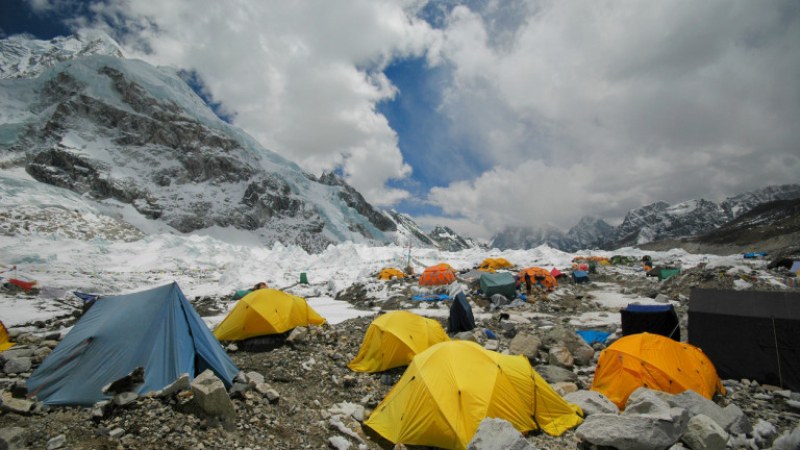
655	362
266	311
393	339
5	340
492	264
449	388
389	273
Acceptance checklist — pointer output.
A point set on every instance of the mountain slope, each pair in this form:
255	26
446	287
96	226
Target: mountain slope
122	132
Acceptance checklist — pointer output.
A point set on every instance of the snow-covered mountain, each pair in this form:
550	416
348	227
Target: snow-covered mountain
135	142
654	222
530	237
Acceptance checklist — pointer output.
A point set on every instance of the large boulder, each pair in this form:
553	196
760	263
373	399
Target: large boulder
211	397
592	402
498	434
702	433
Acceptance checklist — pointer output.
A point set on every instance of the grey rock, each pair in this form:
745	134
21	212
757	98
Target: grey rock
16	405
498	434
465	336
592	402
17	364
702	433
56	442
764	433
253	378
525	344
339	443
125	398
101	409
583	354
731	418
559	355
788	441
298	335
12	438
181	384
116	433
645	401
212	398
554	374
633	432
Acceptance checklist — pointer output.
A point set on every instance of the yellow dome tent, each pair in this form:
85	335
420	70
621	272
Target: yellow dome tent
5	340
492	264
389	273
449	388
266	311
655	362
393	339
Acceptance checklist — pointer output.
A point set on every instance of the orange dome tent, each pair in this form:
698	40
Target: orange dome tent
655	362
389	273
437	275
545	278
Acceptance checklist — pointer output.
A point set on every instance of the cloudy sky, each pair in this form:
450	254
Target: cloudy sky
482	114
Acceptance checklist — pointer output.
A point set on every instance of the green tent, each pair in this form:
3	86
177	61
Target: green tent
667	273
498	283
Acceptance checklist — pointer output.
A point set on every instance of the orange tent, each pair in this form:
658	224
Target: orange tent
437	275
545	278
655	362
491	264
389	273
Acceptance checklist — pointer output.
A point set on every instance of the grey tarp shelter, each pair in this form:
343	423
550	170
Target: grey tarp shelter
749	334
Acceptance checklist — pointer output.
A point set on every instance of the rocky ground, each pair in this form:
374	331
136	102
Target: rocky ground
297	392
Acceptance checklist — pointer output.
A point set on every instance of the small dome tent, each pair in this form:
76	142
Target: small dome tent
389	273
437	275
263	312
655	362
449	388
492	264
393	339
539	275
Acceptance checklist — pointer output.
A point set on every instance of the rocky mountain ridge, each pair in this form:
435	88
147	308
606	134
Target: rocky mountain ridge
652	223
137	140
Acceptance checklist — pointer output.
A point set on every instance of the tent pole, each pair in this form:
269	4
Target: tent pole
777	352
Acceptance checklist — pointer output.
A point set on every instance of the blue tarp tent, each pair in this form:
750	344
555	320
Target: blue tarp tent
155	329
580	276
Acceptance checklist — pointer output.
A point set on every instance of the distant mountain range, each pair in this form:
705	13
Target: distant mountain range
655	222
